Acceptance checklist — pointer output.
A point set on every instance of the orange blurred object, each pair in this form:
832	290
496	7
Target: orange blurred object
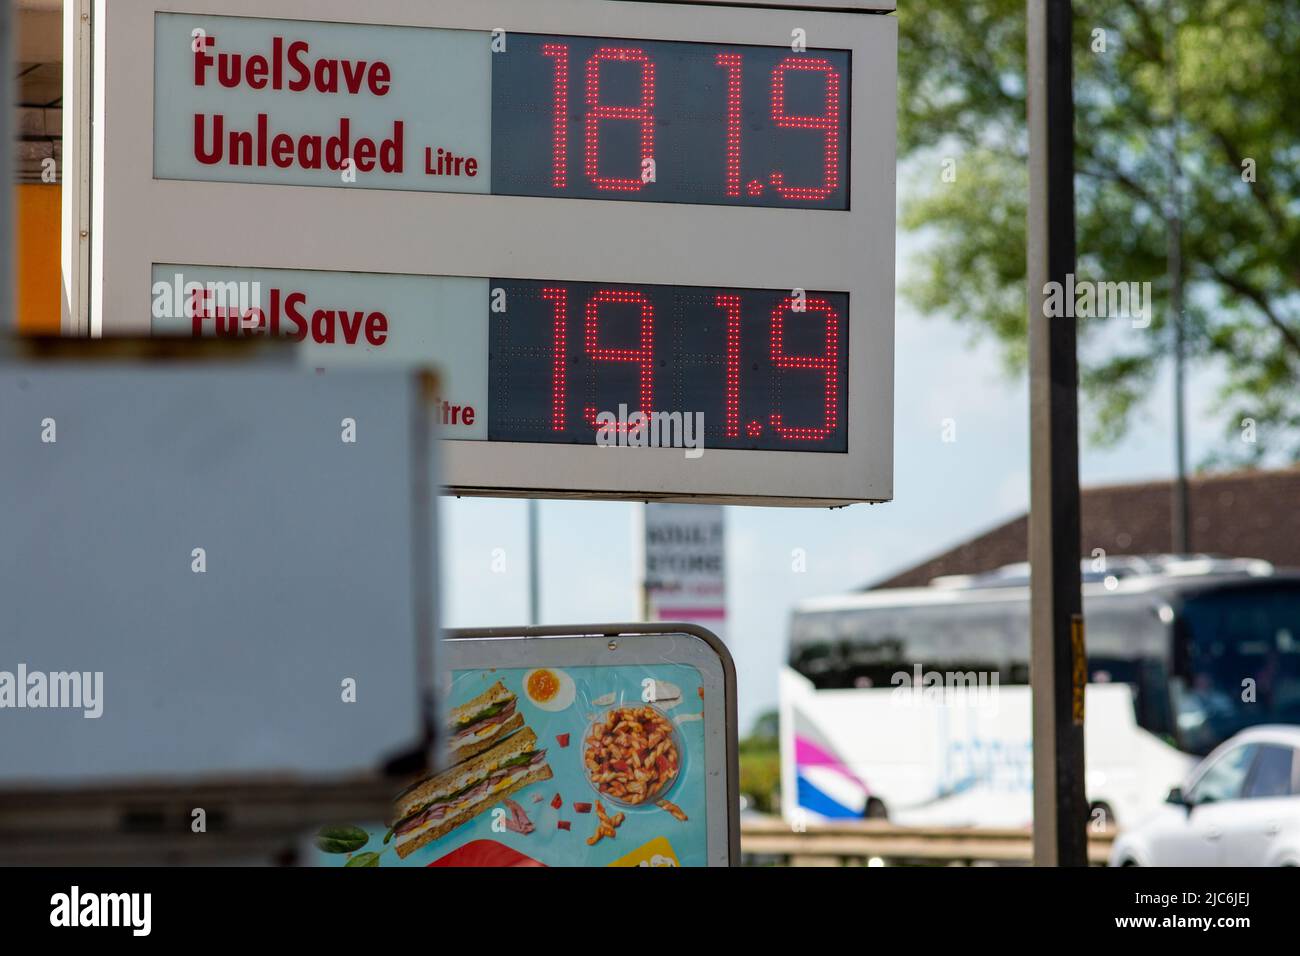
38	237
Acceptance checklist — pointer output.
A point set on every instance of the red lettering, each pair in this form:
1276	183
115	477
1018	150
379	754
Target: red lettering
282	149
202	61
197	311
322	326
336	150
325	326
296	51
366	152
381	78
258	69
241	147
352	328
291	304
277	63
391	154
261	146
326	74
228	70
309	152
263	134
446	163
352	79
202	153
450	414
327	80
275	311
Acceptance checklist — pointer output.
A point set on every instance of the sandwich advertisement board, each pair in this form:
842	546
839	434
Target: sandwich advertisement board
608	749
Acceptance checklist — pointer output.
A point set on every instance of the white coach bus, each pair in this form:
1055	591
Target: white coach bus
913	703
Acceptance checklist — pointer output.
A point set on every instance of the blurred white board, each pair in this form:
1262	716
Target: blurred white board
297	645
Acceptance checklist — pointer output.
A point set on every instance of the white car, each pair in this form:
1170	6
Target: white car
1239	807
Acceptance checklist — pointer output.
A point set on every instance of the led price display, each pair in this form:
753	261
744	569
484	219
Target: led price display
766	369
663	121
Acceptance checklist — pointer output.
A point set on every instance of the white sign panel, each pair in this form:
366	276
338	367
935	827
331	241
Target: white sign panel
650	245
307	103
345	319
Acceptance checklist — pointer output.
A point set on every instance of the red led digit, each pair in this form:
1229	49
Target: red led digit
560	142
827	363
559	299
731	62
730	304
597	112
643	355
828	123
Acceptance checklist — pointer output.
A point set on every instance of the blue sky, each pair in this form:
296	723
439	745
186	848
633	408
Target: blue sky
943	494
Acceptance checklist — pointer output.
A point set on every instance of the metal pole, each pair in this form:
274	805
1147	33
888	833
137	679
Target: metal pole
1057	661
8	69
1180	514
534	565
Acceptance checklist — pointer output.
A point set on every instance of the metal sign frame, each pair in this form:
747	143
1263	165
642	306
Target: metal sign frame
138	220
622	645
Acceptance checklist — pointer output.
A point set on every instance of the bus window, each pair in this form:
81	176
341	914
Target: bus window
1128	644
1241	656
867	647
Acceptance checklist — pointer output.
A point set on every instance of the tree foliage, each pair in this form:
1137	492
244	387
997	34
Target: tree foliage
1235	88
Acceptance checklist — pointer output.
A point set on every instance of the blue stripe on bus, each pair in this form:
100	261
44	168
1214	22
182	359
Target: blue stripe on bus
810	798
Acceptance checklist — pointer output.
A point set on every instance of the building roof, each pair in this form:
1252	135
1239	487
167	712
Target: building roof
1252	514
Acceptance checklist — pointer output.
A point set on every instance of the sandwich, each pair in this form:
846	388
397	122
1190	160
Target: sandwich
483	722
433	807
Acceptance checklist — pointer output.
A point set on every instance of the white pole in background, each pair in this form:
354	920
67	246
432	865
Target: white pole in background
74	171
534	564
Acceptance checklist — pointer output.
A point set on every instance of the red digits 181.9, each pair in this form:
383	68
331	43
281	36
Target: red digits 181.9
643	113
828	123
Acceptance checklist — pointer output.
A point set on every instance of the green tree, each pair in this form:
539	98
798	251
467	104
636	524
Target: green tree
760	764
1237	80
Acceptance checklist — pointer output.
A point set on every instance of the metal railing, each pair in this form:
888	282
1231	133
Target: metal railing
830	844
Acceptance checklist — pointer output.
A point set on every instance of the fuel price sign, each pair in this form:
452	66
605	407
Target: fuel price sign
256	100
649	245
598	118
763	369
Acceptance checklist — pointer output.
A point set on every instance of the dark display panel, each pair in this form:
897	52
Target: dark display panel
768	369
725	124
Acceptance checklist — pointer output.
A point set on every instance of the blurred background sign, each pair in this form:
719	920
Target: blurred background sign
684	549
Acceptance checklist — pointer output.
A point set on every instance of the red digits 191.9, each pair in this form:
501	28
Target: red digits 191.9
597	350
827	363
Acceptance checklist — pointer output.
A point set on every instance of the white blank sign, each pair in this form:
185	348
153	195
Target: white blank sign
317	570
